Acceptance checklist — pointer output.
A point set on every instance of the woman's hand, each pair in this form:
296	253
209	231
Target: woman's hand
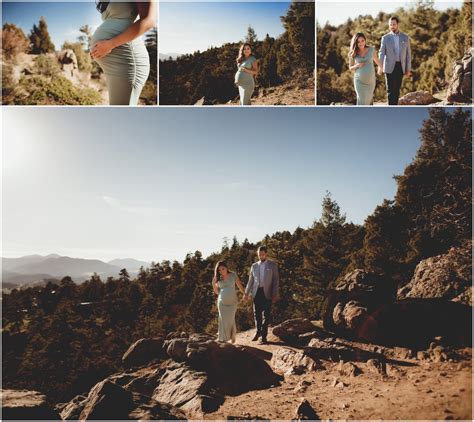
101	49
361	64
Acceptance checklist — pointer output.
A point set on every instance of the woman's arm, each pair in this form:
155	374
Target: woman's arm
254	70
240	285
353	65
146	21
377	60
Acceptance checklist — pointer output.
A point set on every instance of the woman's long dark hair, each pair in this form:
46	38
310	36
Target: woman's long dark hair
354	48
216	269
241	56
101	5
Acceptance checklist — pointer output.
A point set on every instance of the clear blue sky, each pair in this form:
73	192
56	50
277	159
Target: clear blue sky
63	18
154	184
337	12
186	27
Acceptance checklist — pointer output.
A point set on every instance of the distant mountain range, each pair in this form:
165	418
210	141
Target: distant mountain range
32	269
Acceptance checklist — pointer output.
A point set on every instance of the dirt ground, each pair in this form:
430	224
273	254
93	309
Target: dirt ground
414	390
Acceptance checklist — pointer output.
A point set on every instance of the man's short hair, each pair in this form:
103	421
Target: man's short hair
262	248
394	18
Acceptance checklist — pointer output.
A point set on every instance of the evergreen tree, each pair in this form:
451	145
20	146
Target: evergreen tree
40	39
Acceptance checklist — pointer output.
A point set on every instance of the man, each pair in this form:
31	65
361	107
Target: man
263	287
395	55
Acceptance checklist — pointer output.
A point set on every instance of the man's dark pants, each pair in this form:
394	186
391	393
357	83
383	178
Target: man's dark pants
261	310
393	82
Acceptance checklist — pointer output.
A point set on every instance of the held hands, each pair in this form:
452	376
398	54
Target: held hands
101	49
379	70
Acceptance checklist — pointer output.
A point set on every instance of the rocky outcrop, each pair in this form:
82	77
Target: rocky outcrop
174	377
353	297
25	404
417	98
290	362
143	351
460	84
445	276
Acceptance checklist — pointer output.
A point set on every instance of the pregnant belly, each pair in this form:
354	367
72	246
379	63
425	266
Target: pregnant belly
243	79
366	75
129	60
228	297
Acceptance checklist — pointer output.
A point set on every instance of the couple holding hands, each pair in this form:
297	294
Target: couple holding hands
262	287
394	59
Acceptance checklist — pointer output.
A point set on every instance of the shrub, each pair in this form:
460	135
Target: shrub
47	65
14	41
84	61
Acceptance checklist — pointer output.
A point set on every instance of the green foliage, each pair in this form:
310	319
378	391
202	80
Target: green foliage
437	39
40	90
14	41
40	39
47	65
210	74
150	90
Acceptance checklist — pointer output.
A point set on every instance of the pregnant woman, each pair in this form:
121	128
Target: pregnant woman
223	284
361	61
118	49
247	69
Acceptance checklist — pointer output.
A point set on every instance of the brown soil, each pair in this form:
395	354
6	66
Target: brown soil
417	390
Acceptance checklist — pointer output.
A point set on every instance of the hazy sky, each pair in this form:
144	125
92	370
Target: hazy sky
187	27
63	18
155	184
337	12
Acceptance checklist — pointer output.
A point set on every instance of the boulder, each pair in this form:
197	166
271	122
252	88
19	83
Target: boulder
305	412
348	369
143	351
414	322
460	84
291	362
417	98
26	404
335	351
68	62
445	276
107	400
72	410
187	389
352	298
377	367
291	329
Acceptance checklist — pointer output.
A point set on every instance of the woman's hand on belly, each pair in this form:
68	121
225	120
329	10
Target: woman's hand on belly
101	49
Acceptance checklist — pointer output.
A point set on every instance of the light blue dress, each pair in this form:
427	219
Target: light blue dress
364	78
244	81
126	67
227	306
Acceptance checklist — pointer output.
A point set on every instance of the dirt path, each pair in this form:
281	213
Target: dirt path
424	390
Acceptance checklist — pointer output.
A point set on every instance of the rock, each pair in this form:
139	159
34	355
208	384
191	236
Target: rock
202	101
394	371
413	323
187	389
142	352
352	298
402	353
348	369
305	412
290	362
291	329
377	367
417	98
107	400
460	84
302	387
68	61
72	410
145	408
422	355
26	404
446	276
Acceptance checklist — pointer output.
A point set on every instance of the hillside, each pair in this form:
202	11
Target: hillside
210	74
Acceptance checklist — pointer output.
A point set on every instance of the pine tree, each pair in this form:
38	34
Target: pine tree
251	36
40	39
